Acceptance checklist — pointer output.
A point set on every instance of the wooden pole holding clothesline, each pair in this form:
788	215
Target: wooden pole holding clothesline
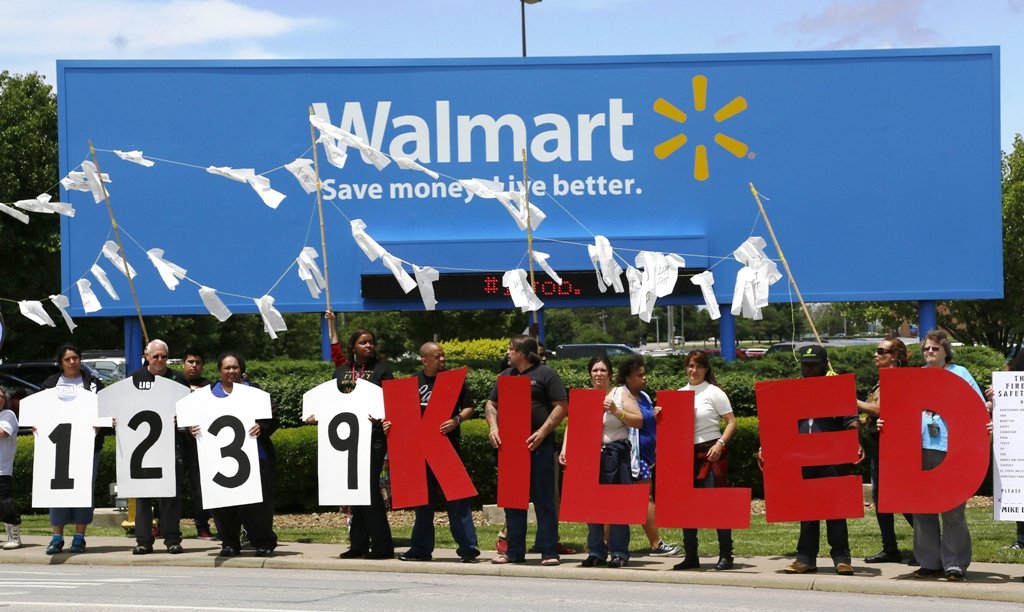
529	239
320	210
120	245
785	264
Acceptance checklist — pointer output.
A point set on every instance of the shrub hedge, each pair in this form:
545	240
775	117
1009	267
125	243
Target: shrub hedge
287	380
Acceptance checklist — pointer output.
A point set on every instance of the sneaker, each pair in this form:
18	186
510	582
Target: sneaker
204	534
77	544
663	549
1017	546
13	537
56	545
799	567
618	562
955	575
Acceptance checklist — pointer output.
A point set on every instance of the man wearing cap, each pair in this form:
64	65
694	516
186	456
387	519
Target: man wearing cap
814	362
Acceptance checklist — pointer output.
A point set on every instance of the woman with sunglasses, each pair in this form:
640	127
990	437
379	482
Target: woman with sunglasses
891	353
946	550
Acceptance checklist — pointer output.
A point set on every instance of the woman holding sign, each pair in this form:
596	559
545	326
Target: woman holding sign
944	550
71	380
258	518
891	353
632	380
615	464
370	533
710	450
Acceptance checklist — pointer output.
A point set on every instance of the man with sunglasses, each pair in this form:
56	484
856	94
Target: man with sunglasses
156	355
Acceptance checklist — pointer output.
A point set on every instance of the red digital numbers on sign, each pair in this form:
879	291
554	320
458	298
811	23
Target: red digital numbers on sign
547	288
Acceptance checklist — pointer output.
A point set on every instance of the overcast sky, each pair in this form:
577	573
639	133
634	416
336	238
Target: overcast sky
35	33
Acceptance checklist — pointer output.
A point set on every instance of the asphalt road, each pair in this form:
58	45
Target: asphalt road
222	589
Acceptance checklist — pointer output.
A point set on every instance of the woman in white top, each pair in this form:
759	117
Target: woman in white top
615	465
710	464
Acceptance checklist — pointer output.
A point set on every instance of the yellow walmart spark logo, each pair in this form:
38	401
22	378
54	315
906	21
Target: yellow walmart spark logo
700	160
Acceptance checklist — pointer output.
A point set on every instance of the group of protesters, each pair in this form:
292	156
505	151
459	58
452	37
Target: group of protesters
942	542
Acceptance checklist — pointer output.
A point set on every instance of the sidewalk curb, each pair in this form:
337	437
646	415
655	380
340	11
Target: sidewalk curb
986	581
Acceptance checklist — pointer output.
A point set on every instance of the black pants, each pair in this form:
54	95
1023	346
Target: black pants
188	462
8	509
836	531
690	542
257	518
169	521
370	529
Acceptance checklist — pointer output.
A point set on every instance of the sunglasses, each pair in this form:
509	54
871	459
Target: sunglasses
884	351
931	349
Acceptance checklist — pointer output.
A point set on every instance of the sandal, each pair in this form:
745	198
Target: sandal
550	561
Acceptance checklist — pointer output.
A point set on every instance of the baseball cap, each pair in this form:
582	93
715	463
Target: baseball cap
813	353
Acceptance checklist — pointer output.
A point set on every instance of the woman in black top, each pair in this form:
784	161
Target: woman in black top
370	533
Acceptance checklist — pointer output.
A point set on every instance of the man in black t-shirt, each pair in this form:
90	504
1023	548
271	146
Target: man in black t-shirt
460	515
170	507
548	405
188	452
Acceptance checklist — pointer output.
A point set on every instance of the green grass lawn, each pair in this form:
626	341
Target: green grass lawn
991	539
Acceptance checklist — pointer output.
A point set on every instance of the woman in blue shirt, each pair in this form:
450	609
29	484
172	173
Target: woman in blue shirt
946	550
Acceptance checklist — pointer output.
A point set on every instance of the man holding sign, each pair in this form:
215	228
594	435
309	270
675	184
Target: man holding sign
460	513
143	411
547	407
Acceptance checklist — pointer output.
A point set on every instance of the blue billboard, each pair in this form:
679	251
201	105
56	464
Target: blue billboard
880	172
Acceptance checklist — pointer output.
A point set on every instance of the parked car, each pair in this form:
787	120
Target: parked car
113	367
36	372
612	351
755	353
714	350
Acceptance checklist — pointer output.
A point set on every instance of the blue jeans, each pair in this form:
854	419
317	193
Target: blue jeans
460	520
618	541
542	494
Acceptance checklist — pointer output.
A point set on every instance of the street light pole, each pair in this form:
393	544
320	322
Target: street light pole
522	19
